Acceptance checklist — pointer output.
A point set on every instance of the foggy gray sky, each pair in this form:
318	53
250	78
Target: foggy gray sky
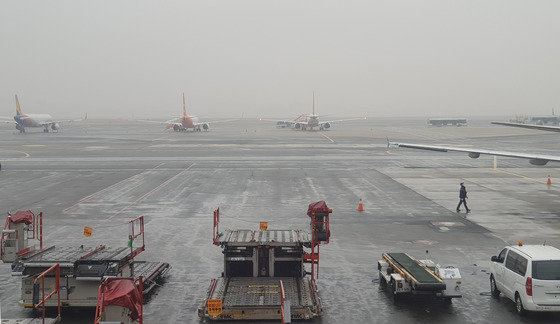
384	58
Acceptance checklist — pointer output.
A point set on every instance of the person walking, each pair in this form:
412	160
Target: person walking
463	198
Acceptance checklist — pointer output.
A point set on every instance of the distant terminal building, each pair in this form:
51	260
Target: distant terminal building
447	121
545	120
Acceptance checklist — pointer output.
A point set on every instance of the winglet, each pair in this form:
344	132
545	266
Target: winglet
184	107
18	108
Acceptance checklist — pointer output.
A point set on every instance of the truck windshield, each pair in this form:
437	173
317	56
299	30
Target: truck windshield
546	270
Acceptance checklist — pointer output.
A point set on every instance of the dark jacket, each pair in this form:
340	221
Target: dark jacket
463	192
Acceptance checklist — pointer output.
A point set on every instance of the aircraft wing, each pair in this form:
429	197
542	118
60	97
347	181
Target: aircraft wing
215	122
63	121
7	120
342	120
174	121
285	121
535	159
530	126
154	121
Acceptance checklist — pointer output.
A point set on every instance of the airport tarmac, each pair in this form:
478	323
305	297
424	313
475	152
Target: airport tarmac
101	176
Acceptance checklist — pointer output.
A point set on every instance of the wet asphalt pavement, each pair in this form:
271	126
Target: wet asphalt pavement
101	176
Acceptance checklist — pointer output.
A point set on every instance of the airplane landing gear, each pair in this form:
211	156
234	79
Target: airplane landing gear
46	130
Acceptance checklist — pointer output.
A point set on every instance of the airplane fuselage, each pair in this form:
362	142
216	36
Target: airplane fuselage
313	121
33	120
189	122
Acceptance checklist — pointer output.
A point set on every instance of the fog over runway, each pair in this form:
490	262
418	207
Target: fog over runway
102	175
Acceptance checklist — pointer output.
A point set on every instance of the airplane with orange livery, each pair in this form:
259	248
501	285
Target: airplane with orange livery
185	122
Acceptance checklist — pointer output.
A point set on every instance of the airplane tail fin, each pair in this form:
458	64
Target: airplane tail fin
314	103
18	108
184	107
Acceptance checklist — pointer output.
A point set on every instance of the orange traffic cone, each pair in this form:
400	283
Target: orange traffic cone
361	206
548	182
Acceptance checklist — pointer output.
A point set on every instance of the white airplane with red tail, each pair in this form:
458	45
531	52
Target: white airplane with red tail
309	122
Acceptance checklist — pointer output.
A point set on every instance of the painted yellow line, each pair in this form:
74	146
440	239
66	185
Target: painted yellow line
325	136
522	176
22	152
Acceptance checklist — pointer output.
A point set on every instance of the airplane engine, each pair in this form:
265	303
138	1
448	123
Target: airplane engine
327	125
205	126
18	127
55	126
297	126
538	162
474	155
176	128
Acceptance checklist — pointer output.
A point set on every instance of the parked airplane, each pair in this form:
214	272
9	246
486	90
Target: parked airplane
183	123
33	120
308	122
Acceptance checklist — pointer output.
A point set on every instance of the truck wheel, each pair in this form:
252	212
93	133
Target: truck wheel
382	281
493	288
519	305
393	291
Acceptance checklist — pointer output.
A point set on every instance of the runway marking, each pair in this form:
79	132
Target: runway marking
151	191
33	145
325	136
160	138
22	152
26	154
522	176
116	185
